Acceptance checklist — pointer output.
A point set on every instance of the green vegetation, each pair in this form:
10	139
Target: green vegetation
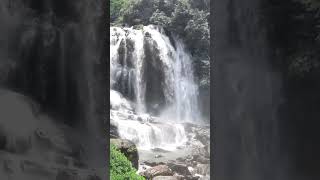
187	19
118	9
120	167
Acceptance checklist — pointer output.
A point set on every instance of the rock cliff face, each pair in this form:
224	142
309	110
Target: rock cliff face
52	54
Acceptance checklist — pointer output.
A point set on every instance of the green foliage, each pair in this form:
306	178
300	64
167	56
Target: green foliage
120	167
160	18
197	30
140	12
118	8
187	19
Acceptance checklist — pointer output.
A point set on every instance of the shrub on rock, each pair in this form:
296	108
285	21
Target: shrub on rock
120	167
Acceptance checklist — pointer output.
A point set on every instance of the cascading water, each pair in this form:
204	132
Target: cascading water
151	75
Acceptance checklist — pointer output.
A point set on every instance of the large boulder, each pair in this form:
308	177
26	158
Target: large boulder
161	170
128	148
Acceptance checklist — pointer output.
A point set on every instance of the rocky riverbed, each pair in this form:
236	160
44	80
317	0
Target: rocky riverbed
188	160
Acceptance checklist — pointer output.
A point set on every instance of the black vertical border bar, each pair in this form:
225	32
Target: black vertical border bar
106	51
212	87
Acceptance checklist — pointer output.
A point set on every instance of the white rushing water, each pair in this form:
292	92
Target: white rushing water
130	87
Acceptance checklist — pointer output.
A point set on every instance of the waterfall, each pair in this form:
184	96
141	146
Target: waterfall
130	70
152	87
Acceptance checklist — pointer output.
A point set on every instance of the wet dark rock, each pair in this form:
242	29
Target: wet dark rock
152	164
128	148
179	168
